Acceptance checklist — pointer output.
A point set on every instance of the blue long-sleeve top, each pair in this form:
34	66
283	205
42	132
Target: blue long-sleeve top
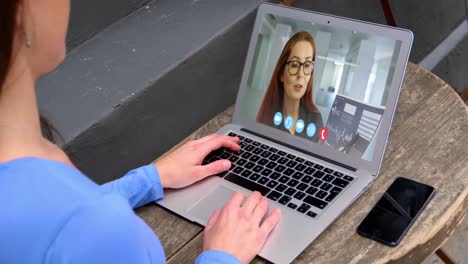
52	213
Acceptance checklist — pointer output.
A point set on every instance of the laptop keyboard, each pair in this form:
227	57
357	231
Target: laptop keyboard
291	181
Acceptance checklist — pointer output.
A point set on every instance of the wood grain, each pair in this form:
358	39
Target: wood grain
428	143
418	85
173	231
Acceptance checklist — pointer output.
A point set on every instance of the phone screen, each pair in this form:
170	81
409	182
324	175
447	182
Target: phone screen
396	210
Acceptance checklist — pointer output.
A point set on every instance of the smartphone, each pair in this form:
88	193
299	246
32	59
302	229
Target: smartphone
395	212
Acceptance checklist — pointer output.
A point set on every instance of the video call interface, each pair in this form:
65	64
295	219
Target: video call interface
322	83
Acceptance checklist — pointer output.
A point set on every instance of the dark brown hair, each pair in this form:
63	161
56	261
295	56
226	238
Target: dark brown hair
8	11
273	100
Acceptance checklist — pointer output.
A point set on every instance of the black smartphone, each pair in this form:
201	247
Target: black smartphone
395	212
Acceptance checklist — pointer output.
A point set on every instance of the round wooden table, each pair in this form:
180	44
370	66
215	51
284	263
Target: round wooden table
428	143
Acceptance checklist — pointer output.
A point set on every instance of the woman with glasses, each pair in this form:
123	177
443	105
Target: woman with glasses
288	103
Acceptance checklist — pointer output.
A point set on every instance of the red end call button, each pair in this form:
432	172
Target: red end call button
323	134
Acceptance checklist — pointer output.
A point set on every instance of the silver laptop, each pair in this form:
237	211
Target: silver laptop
314	110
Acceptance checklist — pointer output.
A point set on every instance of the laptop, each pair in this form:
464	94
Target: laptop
313	112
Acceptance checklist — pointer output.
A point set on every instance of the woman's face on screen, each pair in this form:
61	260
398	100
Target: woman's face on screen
295	85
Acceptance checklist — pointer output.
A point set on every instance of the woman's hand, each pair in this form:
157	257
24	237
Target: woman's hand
236	229
183	166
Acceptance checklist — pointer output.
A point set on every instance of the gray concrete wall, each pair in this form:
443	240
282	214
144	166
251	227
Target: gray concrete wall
454	67
88	17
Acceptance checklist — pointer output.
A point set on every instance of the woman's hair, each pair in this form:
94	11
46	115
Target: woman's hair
273	100
8	10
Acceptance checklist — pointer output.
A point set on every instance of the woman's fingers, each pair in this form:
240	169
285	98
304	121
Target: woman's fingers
267	226
235	202
213	136
218	142
251	203
231	231
211	169
206	138
260	210
212	220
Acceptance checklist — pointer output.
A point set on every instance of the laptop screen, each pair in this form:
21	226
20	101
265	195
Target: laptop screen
319	82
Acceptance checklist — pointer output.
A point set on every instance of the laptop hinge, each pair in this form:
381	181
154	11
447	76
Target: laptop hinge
299	149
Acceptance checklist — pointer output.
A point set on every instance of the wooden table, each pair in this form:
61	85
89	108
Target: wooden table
428	143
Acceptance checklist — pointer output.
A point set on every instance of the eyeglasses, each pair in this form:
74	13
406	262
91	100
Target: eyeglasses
294	66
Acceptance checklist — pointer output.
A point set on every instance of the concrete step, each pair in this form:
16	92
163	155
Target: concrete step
89	17
454	67
137	88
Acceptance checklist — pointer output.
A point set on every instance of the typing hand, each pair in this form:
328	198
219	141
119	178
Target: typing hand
237	230
183	166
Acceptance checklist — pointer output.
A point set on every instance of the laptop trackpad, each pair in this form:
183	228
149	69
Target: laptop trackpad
216	199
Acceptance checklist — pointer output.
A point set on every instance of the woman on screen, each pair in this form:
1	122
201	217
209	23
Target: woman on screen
288	103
